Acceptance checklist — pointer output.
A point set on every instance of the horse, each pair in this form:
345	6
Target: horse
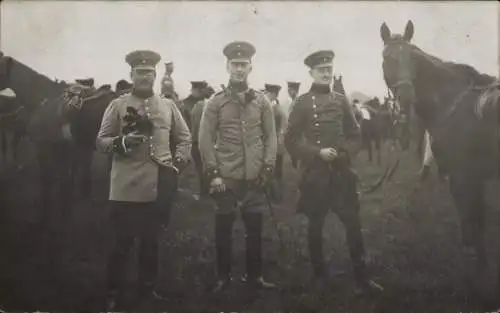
63	123
13	119
445	97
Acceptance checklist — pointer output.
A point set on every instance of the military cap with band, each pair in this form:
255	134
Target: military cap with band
143	59
199	84
293	85
87	82
320	59
272	88
239	51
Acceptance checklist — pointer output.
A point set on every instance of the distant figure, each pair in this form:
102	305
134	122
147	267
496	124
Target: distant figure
187	105
195	116
87	82
272	93
293	92
123	86
167	83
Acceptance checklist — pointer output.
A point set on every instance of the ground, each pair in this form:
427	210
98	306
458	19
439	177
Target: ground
411	234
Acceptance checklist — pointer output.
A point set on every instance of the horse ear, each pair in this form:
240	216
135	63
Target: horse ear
385	33
409	31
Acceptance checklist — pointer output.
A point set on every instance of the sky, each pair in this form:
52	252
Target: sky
68	40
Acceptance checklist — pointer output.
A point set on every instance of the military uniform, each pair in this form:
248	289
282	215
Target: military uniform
142	178
295	86
237	141
280	121
323	119
192	110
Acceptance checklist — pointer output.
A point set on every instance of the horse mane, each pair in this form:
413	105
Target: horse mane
30	85
463	70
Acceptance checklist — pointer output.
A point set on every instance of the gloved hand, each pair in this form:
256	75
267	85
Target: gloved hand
265	176
180	164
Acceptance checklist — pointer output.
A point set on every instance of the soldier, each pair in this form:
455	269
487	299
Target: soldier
239	121
167	83
197	88
195	116
317	136
280	120
293	92
136	129
87	82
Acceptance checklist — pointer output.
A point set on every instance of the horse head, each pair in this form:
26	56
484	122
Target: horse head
5	65
338	84
398	65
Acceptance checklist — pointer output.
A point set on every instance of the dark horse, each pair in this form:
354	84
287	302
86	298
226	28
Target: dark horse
445	96
63	124
370	129
13	118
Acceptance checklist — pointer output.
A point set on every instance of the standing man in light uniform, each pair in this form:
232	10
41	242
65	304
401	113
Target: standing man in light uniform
237	142
136	129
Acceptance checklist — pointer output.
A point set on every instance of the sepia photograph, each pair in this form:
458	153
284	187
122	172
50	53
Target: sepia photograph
249	156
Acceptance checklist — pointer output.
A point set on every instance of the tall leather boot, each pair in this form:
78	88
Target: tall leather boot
223	243
253	225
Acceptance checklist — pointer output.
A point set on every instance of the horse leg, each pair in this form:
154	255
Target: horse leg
468	196
15	144
85	167
370	152
378	146
46	179
4	145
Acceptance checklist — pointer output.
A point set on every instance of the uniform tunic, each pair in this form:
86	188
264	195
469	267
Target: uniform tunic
134	175
321	120
237	139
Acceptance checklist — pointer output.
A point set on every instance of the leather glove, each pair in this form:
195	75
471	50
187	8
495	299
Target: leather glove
180	164
266	176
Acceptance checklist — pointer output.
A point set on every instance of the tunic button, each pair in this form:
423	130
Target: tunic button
318	142
315	115
317	124
313	97
314	106
150	137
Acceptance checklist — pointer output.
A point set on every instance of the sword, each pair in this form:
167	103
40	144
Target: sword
273	218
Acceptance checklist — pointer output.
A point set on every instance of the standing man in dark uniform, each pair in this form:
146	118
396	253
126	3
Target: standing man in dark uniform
136	129
238	148
317	135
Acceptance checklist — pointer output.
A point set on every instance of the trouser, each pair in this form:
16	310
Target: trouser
223	238
343	200
354	241
131	220
278	172
204	185
134	220
251	201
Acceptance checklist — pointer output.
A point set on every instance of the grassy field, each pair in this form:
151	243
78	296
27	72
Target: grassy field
411	234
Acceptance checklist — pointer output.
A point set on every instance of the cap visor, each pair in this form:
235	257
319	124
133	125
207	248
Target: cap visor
239	60
324	65
144	67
